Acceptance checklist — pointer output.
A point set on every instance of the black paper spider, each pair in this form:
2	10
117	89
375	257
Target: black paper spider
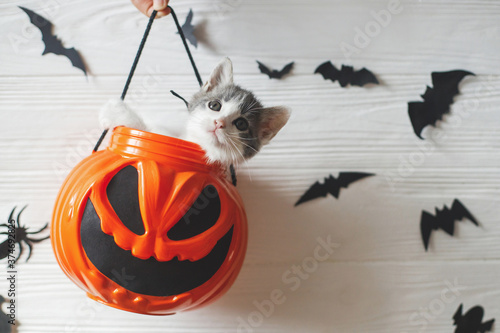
21	235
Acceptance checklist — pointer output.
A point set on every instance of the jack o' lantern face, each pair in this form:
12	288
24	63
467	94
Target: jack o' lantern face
148	226
149	276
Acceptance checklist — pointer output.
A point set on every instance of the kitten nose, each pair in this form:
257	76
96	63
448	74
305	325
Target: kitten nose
219	124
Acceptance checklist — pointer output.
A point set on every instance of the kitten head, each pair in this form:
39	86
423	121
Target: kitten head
228	122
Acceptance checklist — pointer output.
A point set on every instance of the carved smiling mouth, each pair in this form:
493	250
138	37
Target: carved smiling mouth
147	277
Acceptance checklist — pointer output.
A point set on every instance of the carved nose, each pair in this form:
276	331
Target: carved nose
219	124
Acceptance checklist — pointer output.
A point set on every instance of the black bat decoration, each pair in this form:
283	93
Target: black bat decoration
21	235
443	219
331	185
188	29
273	73
437	100
52	43
471	322
346	75
5	327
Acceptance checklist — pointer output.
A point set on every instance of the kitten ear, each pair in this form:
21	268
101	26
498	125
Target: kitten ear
221	75
273	119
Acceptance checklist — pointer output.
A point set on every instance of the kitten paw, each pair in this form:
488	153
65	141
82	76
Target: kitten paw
117	113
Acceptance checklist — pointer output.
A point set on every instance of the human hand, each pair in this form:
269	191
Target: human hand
147	6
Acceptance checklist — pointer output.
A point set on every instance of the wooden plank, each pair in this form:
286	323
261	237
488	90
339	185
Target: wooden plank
334	297
379	278
421	38
380	210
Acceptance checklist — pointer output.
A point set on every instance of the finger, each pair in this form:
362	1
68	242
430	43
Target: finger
160	4
161	7
163	12
142	5
147	6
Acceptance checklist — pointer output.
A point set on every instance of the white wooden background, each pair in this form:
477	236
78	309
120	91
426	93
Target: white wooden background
379	279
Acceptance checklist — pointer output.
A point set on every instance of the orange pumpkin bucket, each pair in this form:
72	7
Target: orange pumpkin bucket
147	226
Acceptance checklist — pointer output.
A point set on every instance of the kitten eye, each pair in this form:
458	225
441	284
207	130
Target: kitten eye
241	124
214	105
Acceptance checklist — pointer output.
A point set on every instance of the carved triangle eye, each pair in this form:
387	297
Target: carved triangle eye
123	195
200	217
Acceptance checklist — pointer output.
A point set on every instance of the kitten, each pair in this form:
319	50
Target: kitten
227	121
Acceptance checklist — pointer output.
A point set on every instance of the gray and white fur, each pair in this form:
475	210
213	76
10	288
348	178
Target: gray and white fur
227	121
